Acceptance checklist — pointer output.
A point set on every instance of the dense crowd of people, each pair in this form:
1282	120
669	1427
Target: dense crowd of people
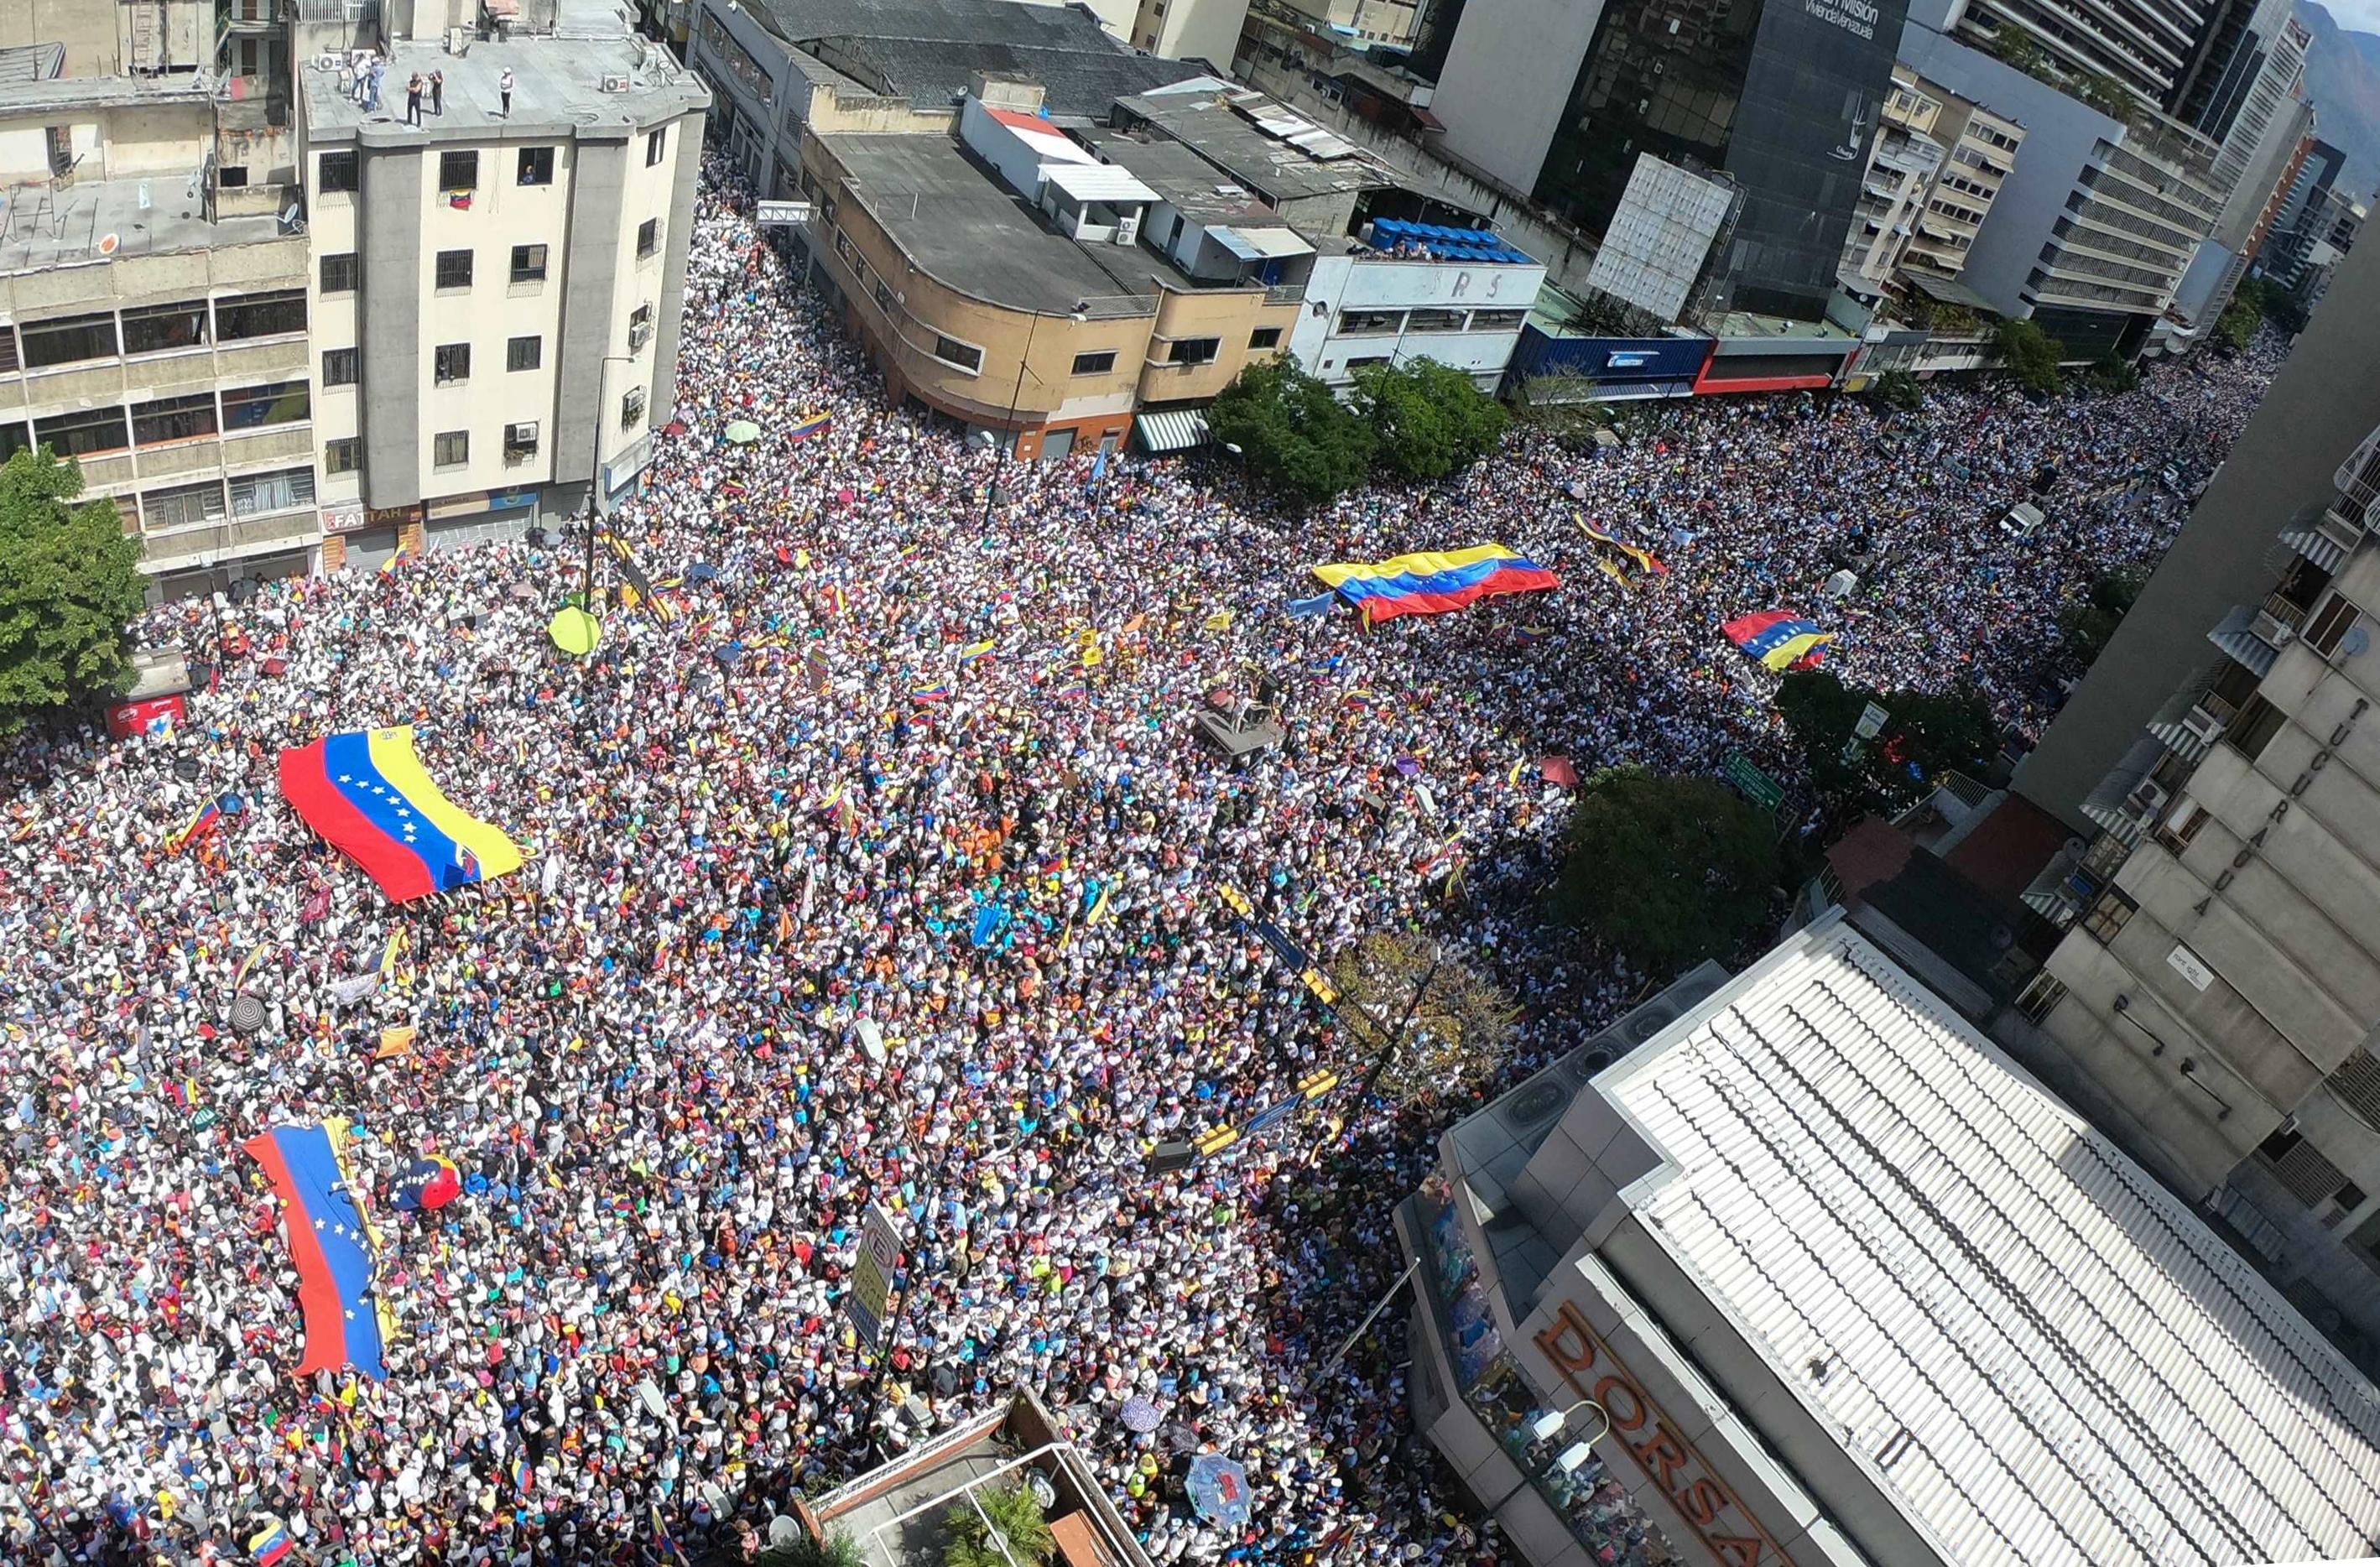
745	985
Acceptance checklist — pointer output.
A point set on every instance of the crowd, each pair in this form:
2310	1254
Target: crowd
735	994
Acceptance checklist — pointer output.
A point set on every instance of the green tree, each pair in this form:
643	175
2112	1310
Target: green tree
1461	1026
1289	428
2236	325
1427	418
1899	389
838	1550
2113	375
1669	870
69	585
1012	1512
2031	356
1935	732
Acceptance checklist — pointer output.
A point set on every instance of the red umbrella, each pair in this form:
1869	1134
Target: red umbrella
674	427
1558	769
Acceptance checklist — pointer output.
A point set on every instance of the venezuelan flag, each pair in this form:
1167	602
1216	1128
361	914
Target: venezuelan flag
330	1244
1778	638
930	694
810	424
1434	582
199	826
366	793
270	1545
975	651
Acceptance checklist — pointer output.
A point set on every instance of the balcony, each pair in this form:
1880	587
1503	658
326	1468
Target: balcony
251	15
2127	797
2192	719
2247	637
2322	534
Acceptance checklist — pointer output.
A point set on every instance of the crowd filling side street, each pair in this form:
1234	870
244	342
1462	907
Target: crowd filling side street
827	903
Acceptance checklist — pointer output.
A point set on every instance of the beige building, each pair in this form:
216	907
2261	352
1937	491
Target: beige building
1937	164
1053	322
494	292
152	331
120	37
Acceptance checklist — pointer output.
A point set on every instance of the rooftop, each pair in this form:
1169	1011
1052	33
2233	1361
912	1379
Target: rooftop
2031	1346
156	216
557	91
1221	124
1080	74
28	84
1181	178
967	230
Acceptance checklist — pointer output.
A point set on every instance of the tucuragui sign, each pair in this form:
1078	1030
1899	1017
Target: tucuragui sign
1727	1528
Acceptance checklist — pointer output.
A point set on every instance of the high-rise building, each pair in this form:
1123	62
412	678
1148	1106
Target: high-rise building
2213	1004
1936	165
1781	97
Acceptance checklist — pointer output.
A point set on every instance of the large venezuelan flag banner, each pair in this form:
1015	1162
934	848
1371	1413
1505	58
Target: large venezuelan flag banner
366	793
1778	638
329	1244
1434	582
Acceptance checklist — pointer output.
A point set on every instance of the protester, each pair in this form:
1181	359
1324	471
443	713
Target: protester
735	995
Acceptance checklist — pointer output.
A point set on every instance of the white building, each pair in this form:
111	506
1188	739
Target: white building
1367	304
494	294
1814	1275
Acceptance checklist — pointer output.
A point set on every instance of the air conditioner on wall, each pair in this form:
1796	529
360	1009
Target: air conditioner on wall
2201	724
2147	797
639	334
617	84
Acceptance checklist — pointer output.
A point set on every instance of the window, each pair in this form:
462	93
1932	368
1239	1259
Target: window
68	340
83	431
2253	729
2329	624
453	268
277	402
450	448
452	362
1497	321
342	366
884	299
2274	1148
173	419
847	250
631	408
520	442
2350	1197
14	438
2108	915
523	353
342	455
157	329
1368	323
640	327
7	350
528	264
339	273
1095	364
1193	350
183	505
458	171
260	315
335	172
231	176
2183	825
1435	320
950	350
282	490
2041	997
649	237
536	165
656	144
1264	337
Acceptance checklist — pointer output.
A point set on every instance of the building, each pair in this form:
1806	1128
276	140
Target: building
1782	98
499	289
1390	24
2193	59
152	329
895	1513
1937	164
779	69
1206	32
1799	1269
2093	228
99	38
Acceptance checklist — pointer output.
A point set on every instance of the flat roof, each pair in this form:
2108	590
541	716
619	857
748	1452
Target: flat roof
1083	72
158	215
1214	125
24	91
2036	1350
1180	176
557	93
974	234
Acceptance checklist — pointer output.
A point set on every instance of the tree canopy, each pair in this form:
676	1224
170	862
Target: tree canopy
1289	428
1670	870
2031	356
1924	735
69	585
1427	418
1462	1025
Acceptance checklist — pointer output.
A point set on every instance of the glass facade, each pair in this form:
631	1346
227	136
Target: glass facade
1589	1498
1781	95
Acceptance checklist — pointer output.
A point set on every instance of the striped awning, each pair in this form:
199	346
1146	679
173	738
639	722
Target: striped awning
1175	430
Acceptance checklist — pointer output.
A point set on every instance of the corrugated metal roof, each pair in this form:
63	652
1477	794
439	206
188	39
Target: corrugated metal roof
1097	182
2065	1364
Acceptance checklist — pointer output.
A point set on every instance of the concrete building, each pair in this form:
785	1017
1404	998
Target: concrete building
779	69
97	38
1388	299
2093	228
1202	30
1389	23
1937	165
498	288
149	332
1798	1268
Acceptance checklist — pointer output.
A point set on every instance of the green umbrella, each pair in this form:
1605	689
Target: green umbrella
574	631
743	433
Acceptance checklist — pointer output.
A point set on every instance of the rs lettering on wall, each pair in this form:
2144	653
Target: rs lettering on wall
1724	1524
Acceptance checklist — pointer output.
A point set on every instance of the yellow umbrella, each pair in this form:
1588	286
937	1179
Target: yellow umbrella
574	631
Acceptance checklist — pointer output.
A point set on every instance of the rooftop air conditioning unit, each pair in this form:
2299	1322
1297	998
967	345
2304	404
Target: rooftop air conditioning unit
616	83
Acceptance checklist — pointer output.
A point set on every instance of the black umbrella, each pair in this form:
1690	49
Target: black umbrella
187	770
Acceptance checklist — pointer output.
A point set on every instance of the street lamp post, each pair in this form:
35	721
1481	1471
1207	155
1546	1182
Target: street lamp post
1016	393
595	475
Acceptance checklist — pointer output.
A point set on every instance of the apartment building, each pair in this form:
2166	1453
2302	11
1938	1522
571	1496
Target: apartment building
1937	164
494	291
147	332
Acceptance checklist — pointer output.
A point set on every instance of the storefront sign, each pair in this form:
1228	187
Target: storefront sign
347	516
447	507
1726	1526
512	500
154	717
392	517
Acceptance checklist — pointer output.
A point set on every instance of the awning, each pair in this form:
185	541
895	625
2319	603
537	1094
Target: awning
1423	119
1174	430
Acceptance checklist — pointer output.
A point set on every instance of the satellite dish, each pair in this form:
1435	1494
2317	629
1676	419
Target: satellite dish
2357	639
784	1532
